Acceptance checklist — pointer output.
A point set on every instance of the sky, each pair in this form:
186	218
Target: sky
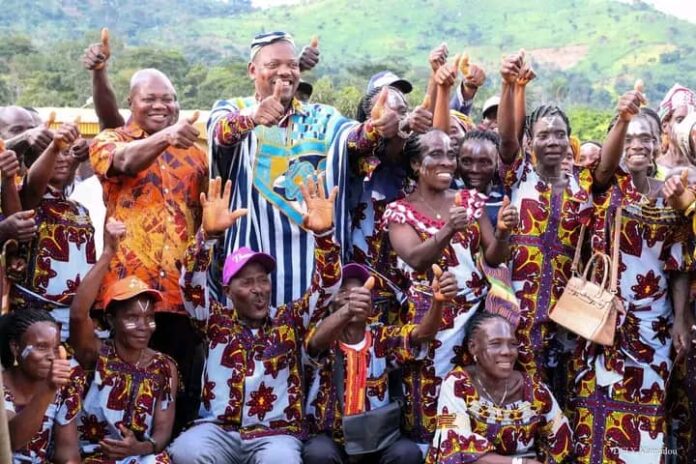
684	9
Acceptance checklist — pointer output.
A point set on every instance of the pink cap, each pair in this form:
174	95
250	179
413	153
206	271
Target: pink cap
240	258
355	271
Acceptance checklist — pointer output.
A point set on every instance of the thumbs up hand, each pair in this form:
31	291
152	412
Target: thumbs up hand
508	217
59	374
444	285
183	134
309	57
359	301
97	54
270	111
384	119
676	193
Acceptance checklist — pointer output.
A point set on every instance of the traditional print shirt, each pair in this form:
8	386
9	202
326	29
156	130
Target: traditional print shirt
267	165
160	207
470	426
124	394
252	381
60	255
542	249
386	348
63	410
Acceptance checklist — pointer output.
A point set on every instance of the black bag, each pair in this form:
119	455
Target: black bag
375	430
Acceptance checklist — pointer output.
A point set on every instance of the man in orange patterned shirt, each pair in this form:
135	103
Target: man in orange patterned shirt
152	174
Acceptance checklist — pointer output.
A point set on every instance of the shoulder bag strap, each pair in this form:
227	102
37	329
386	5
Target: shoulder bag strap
616	245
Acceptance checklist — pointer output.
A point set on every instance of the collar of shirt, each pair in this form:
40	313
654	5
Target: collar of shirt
132	129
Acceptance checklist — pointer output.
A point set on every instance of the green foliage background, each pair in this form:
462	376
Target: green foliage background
203	46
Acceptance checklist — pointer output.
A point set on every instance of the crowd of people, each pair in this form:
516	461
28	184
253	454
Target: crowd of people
322	289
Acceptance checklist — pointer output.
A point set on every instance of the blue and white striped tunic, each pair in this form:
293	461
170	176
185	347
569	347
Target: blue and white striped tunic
266	167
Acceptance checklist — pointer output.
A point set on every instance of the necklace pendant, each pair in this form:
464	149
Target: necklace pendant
438	216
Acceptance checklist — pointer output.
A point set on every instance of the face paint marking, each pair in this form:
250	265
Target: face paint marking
144	306
548	120
26	351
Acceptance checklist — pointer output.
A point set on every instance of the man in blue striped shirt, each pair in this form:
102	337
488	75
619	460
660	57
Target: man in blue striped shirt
267	144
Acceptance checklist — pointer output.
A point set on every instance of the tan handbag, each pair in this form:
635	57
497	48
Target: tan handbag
587	308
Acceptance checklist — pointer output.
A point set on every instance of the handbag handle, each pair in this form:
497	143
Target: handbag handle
578	251
591	265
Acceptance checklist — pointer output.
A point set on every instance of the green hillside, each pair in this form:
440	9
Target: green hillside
586	51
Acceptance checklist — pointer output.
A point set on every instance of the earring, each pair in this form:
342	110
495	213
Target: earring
475	359
15	363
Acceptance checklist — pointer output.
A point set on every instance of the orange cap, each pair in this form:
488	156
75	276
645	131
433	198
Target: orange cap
127	288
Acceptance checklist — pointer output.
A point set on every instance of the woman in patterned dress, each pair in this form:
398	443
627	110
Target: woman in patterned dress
425	228
128	412
64	248
43	392
553	205
489	412
618	397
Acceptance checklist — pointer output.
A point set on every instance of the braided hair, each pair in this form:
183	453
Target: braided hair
486	135
544	111
14	325
476	321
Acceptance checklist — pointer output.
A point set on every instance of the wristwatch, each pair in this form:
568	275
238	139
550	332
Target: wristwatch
518	460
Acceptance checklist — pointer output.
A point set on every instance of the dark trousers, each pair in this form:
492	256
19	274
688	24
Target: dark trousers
176	337
321	449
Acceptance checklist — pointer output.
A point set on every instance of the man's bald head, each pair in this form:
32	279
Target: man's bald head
15	120
152	100
147	76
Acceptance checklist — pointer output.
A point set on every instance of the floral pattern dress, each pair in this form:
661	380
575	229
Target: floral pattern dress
470	426
542	252
422	379
64	409
619	395
124	394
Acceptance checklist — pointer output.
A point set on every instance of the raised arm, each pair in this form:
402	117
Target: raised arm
509	143
81	336
9	168
326	278
419	254
131	158
526	75
445	78
357	308
216	219
496	249
41	170
613	146
444	289
24	425
105	103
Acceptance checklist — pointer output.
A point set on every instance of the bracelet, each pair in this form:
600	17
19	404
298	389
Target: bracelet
690	210
400	133
153	442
